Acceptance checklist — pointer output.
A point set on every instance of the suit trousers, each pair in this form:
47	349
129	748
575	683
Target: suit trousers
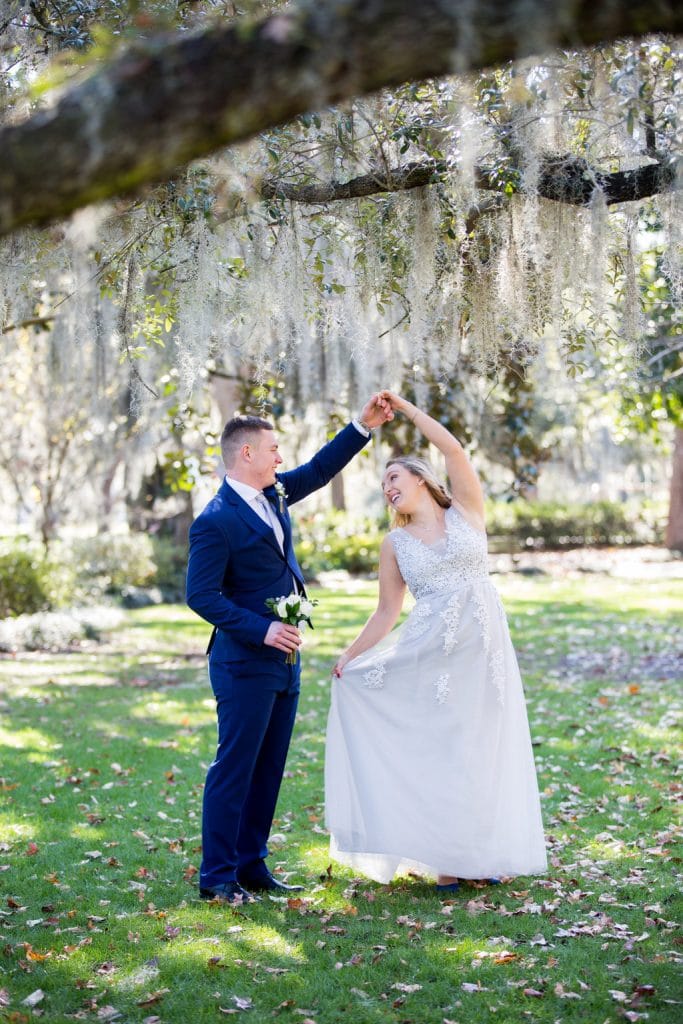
256	704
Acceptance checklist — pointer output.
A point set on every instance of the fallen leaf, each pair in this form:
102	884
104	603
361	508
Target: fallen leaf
153	997
35	998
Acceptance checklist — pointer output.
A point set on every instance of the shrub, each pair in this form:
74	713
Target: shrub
50	631
170	560
335	540
24	584
554	525
108	563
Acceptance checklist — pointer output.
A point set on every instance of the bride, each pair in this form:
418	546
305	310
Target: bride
429	766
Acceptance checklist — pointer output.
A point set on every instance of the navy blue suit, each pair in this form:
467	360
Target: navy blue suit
235	564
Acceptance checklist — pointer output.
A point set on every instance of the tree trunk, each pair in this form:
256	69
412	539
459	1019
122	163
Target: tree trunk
674	527
172	99
337	489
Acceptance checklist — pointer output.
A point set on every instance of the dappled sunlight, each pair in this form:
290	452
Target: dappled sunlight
267	938
166	711
107	833
26	739
612	849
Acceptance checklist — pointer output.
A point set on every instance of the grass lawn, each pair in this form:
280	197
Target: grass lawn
105	751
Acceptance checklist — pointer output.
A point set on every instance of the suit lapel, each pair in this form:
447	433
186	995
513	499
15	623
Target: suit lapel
247	514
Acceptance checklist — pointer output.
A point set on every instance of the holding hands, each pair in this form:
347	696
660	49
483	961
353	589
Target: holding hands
377	410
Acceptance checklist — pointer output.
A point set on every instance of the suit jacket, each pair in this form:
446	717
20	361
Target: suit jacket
235	561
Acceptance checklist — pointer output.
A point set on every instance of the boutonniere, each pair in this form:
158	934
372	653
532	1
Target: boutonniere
281	494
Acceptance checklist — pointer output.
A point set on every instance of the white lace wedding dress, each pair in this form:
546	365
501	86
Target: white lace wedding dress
429	765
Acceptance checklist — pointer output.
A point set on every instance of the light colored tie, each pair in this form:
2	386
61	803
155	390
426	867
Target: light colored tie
267	513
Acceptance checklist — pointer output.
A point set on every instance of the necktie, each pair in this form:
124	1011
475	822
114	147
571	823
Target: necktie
268	515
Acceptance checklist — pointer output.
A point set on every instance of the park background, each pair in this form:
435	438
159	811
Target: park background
496	233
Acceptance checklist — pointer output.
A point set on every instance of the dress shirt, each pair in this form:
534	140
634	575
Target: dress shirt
261	506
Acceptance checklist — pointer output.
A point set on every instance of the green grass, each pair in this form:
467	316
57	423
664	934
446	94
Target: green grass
104	757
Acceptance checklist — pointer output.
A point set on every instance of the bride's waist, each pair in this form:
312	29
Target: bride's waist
450	586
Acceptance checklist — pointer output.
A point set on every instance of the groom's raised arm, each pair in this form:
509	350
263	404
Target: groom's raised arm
325	464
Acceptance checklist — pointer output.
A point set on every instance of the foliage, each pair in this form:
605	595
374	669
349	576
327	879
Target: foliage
553	525
57	631
170	567
24	584
101	790
223	276
107	563
335	541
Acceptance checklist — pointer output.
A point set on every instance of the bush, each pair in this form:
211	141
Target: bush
108	563
50	631
539	525
170	560
25	584
334	540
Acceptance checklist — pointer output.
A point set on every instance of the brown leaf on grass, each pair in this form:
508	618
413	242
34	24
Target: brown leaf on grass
644	990
170	933
4	997
532	993
108	967
153	997
505	958
189	872
13	905
32	849
215	961
37	957
108	1013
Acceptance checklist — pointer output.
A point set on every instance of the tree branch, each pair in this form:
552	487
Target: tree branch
172	99
562	179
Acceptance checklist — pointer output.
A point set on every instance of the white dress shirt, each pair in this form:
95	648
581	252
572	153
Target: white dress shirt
260	505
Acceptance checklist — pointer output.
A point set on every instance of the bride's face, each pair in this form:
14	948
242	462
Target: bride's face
402	489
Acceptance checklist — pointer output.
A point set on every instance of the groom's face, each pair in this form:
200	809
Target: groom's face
265	458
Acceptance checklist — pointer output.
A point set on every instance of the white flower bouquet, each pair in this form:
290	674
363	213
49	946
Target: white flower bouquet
295	610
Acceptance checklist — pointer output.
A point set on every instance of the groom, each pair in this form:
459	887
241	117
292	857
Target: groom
241	553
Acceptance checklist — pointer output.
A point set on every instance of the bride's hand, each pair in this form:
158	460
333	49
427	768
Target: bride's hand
342	661
396	402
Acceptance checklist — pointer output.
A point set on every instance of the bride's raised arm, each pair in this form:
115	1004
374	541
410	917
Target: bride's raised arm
466	488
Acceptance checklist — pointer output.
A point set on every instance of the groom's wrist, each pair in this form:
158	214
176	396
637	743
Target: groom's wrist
361	426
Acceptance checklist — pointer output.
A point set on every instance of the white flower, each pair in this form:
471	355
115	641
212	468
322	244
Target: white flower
281	493
306	608
282	607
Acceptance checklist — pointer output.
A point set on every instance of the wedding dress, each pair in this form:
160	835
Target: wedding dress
429	764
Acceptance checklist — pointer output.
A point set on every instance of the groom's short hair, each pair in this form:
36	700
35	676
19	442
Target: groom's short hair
238	431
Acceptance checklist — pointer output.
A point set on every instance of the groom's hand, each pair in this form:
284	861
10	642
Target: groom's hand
376	411
283	636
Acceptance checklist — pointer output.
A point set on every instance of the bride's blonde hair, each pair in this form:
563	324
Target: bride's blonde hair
424	471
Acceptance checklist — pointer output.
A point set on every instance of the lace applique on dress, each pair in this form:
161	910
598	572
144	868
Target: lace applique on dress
374	679
451	616
442	688
495	658
431	569
418	621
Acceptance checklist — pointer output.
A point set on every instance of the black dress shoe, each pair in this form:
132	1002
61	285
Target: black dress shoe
228	892
269	884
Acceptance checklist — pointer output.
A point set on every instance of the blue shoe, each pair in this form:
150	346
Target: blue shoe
448	887
493	881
